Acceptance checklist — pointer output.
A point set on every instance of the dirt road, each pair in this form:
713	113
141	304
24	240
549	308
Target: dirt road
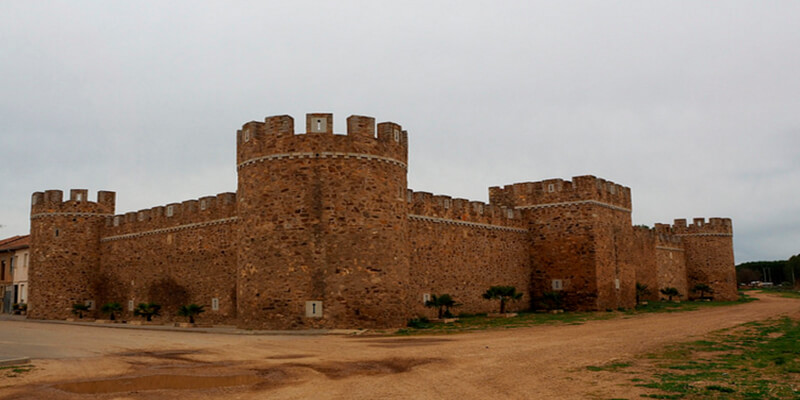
542	362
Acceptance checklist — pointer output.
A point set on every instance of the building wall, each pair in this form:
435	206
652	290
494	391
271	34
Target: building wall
21	262
709	255
173	255
644	259
581	236
323	219
462	248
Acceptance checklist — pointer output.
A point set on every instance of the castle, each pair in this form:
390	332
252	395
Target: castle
323	232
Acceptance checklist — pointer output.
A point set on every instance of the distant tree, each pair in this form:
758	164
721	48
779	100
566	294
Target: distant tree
702	288
110	309
78	309
147	310
190	311
670	292
641	291
504	294
442	303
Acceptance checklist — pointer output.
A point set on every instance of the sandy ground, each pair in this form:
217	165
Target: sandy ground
542	362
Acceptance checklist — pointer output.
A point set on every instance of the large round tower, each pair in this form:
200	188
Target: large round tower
65	249
322	224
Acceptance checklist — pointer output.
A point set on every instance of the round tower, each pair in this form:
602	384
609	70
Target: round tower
709	255
322	224
65	250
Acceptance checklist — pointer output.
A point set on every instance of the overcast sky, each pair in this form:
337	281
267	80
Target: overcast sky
694	105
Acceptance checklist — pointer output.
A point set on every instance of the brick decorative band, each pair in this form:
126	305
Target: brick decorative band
668	248
465	223
322	154
171	229
69	214
703	234
569	203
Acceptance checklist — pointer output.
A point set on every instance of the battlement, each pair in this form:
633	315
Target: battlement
555	191
701	226
52	202
207	208
275	138
445	207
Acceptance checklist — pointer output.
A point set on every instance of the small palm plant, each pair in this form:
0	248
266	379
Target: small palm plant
147	310
190	311
702	288
442	302
78	309
641	291
111	309
670	292
504	294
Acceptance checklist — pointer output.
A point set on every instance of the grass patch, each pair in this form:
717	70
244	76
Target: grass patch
755	361
610	367
474	322
15	370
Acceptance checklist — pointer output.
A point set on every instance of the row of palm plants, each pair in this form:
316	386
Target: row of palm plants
702	289
144	310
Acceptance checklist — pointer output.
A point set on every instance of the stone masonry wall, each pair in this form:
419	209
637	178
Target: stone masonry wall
580	233
323	218
174	255
462	248
64	250
644	260
709	255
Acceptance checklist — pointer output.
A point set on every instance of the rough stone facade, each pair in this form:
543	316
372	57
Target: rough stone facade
323	232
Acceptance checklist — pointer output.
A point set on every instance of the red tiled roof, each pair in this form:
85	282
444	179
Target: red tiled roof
15	243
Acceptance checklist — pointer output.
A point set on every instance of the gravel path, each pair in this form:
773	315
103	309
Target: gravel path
524	363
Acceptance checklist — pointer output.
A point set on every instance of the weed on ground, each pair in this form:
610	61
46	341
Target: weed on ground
467	323
753	361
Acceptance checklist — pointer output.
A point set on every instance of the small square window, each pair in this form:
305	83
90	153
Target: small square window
616	283
426	297
130	305
79	197
170	210
215	304
314	309
203	204
90	303
116	220
396	135
551	188
247	135
140	216
557	284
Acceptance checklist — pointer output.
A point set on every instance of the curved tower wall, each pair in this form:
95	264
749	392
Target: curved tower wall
323	224
65	249
709	255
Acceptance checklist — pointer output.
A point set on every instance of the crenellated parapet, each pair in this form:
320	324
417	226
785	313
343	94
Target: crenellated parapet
188	214
701	227
445	209
51	203
585	189
275	139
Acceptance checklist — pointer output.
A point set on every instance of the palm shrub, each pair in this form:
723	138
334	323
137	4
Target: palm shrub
111	308
552	300
702	288
504	294
147	310
641	291
78	309
670	292
442	303
190	311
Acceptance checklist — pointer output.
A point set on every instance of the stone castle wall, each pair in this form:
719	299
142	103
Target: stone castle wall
462	248
323	232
